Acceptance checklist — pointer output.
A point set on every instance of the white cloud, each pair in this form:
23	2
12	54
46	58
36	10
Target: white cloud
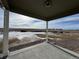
17	20
21	21
41	25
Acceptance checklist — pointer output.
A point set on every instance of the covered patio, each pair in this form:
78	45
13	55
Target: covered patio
45	10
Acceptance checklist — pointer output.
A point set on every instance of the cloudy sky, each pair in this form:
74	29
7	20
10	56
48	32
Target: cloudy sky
20	21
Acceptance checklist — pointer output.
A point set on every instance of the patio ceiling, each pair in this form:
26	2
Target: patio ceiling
43	9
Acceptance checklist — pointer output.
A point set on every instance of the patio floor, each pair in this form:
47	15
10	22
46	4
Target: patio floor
42	51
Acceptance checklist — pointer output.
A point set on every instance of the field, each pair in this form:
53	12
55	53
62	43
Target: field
66	40
19	40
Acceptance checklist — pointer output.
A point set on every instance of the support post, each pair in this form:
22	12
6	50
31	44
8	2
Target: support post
5	33
46	31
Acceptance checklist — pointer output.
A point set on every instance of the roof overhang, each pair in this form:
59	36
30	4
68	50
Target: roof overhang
39	8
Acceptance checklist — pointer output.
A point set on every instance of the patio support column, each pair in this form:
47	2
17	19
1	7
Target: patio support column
46	31
5	33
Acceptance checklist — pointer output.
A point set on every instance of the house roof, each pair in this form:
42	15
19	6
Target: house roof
43	9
